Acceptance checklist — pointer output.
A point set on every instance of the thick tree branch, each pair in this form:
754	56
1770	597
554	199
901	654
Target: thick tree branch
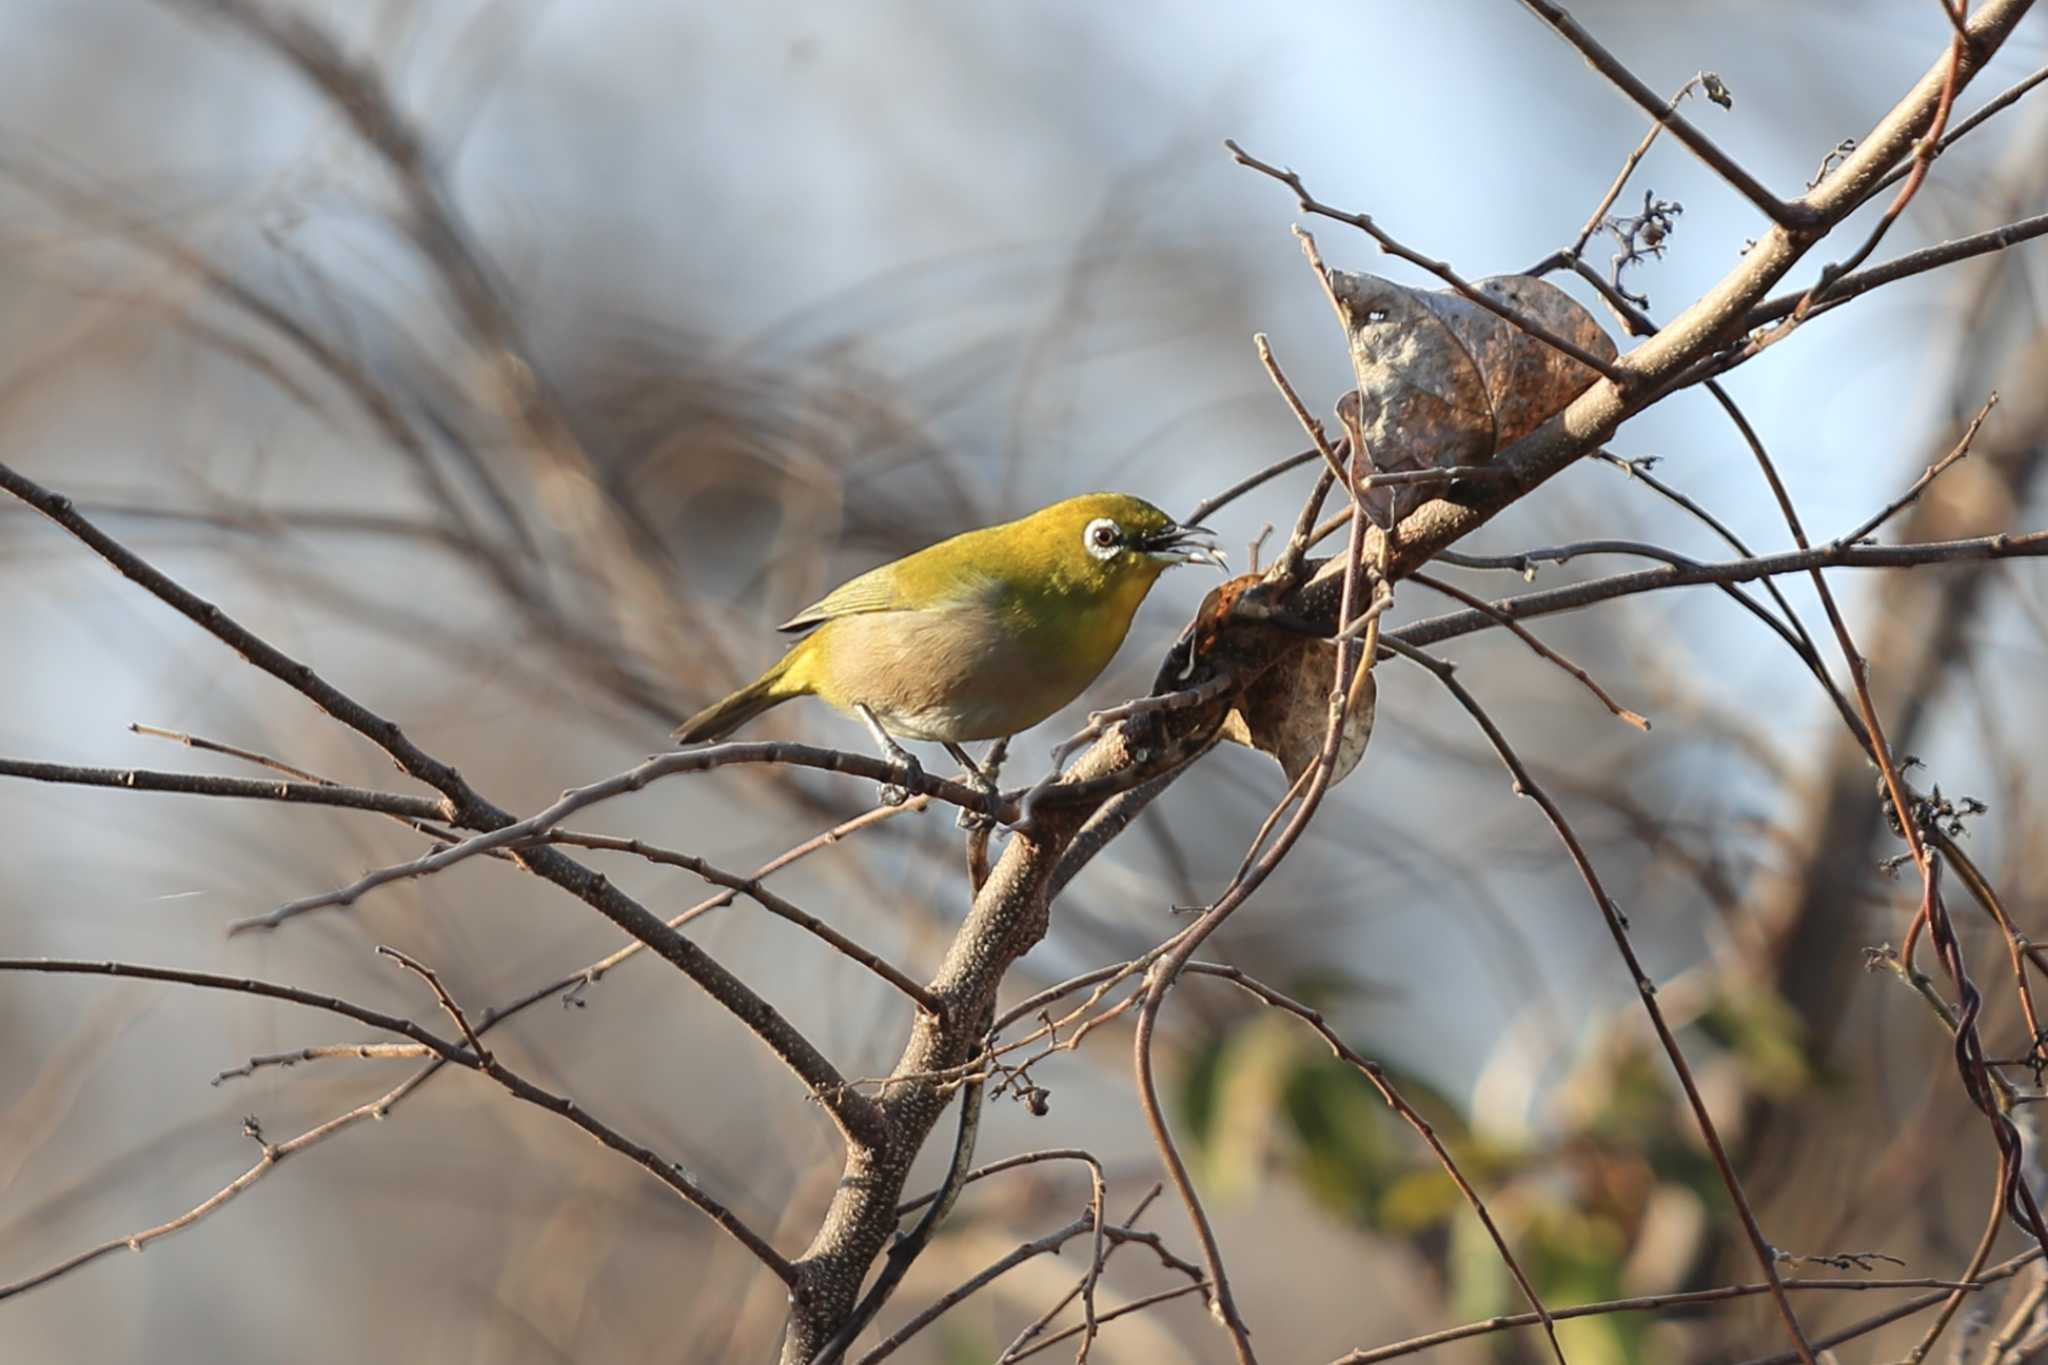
1715	318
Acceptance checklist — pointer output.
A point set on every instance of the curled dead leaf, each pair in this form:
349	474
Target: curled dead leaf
1214	616
1286	713
1444	382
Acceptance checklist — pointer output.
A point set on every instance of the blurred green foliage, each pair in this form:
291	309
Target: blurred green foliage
1614	1199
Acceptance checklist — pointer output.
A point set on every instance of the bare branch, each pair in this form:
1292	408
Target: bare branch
1682	573
1715	91
1923	157
241	788
324	1052
1099	723
539	826
1912	263
1525	784
243	985
1859	668
775	905
1541	650
850	1110
1653	1302
1138	1305
1665	359
1351	670
1210	505
664	1170
1091	1325
447	1002
1997	104
1052	1241
1377	1075
1441	269
1331	460
1785	215
1928	475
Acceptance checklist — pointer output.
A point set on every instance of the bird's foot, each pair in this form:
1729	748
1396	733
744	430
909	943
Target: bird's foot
896	793
893	793
981	784
971	820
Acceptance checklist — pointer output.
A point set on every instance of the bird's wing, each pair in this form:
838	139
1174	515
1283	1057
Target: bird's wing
948	574
875	590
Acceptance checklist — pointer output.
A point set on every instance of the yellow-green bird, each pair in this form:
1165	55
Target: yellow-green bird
978	637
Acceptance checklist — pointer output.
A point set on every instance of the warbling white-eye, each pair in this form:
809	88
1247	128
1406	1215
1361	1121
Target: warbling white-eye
977	637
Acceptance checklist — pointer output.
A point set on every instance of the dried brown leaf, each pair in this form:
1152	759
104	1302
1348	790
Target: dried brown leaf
1286	713
1444	382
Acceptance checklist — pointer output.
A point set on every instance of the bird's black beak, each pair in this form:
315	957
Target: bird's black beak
1185	545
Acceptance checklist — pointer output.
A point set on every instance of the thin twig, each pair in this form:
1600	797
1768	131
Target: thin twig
429	828
240	788
1716	92
851	1111
1161	975
1525	784
523	833
323	1052
1211	505
1331	461
752	889
1541	650
1648	1303
1859	667
1923	158
1090	1325
1997	104
1682	573
664	1170
1927	475
1377	1075
1052	1241
1441	269
1134	1306
1912	263
1638	474
447	1001
1785	215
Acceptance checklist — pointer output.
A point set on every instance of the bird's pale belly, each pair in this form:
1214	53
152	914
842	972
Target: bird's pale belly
954	675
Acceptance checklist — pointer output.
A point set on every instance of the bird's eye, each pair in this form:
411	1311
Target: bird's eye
1102	538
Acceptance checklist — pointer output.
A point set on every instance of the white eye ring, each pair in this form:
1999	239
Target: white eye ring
1103	538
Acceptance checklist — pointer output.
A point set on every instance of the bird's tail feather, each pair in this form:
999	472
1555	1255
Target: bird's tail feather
721	718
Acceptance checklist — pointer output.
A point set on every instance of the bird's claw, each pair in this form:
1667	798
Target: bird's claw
981	784
896	793
972	820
